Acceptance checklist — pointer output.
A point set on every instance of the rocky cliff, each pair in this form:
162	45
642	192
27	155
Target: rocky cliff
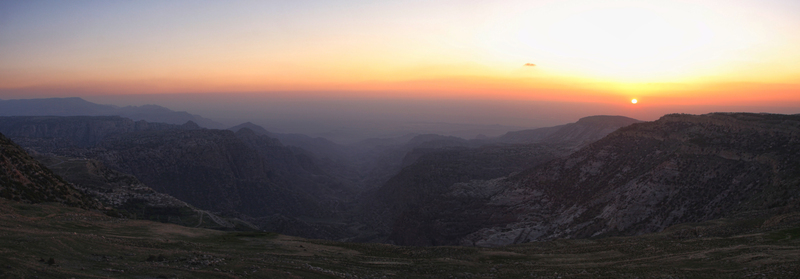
22	178
123	195
433	171
640	179
238	174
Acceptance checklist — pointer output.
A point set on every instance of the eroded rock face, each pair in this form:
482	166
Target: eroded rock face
237	174
22	178
639	179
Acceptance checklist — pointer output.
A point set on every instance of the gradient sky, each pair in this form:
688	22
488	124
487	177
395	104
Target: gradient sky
665	53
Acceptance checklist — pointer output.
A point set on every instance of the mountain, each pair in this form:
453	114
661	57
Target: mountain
639	179
329	156
75	106
433	171
22	178
586	130
79	131
124	195
431	164
253	127
240	174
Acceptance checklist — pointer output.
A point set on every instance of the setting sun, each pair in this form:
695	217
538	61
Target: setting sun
633	101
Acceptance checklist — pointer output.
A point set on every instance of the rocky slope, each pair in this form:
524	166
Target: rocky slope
22	178
238	174
123	195
639	179
433	172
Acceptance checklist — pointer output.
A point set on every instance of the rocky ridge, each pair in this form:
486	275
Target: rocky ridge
239	174
640	179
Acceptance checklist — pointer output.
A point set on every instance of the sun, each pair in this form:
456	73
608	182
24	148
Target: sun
634	101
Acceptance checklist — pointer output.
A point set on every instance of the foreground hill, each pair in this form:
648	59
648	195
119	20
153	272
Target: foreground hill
640	179
54	241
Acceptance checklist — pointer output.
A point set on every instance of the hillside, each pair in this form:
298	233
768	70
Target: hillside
123	195
24	179
640	179
239	174
54	241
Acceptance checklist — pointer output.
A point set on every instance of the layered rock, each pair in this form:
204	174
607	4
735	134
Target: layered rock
640	179
22	178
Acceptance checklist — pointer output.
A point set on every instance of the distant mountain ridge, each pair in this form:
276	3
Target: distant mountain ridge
75	106
585	130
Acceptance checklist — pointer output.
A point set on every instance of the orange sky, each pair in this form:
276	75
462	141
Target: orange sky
660	52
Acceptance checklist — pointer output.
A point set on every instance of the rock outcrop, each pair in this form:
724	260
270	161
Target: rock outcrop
642	178
22	178
236	174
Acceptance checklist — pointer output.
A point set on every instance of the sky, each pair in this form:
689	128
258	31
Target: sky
672	56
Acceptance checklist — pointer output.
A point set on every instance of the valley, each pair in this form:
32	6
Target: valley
686	195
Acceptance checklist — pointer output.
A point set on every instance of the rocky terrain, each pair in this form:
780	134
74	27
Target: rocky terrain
433	171
123	195
684	197
239	174
640	179
24	179
54	241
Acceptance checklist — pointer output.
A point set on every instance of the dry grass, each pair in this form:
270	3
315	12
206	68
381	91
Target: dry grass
87	244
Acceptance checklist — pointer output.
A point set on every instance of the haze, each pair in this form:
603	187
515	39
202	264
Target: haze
366	68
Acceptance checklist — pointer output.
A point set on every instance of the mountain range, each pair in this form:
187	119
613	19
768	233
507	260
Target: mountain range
75	106
639	179
601	176
720	190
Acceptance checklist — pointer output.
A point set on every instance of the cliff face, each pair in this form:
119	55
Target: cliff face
22	178
639	179
124	195
240	174
215	170
430	176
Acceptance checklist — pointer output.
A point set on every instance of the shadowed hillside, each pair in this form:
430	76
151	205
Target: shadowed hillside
22	178
639	179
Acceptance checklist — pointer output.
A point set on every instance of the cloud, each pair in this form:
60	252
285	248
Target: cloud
530	65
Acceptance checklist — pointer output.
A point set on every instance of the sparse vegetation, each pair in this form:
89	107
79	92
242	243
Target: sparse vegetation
54	241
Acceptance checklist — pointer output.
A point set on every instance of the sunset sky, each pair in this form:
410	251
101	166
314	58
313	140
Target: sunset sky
686	53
